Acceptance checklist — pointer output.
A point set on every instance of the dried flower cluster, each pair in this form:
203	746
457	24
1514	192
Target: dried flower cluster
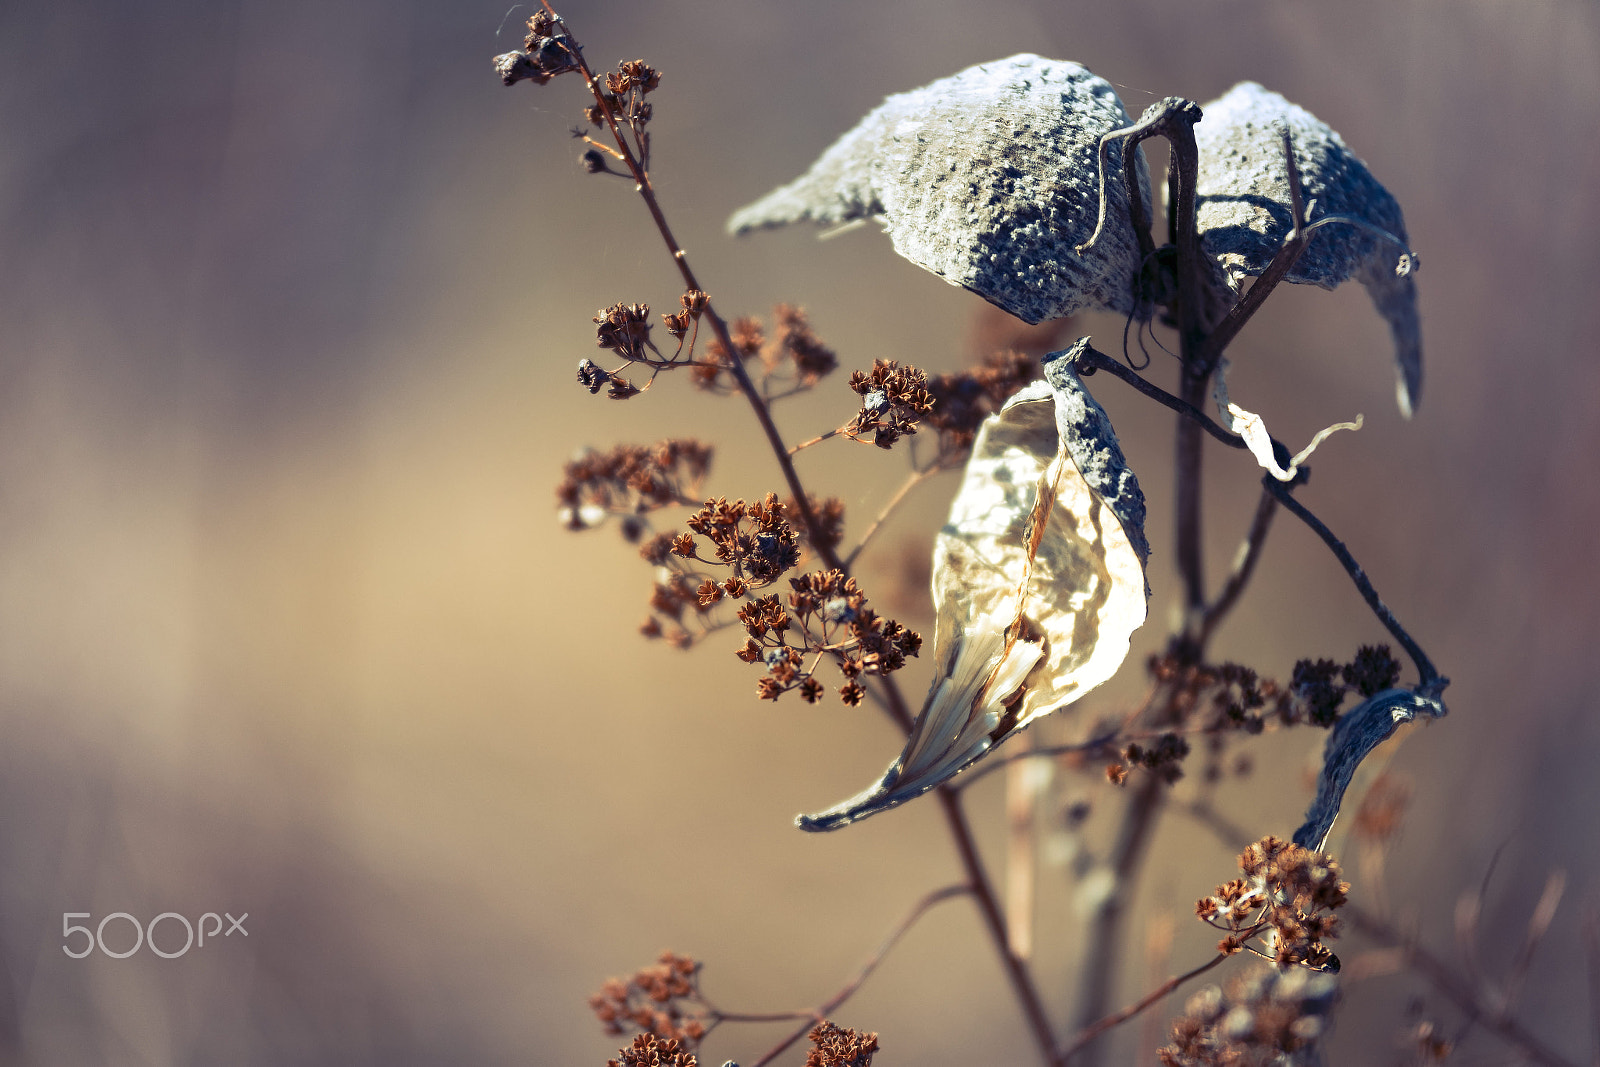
829	617
962	400
837	1046
623	101
547	51
1315	683
1265	1019
625	330
661	1002
649	1051
1285	901
792	360
630	481
893	399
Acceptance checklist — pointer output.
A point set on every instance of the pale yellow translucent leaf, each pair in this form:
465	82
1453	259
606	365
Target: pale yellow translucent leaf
1038	584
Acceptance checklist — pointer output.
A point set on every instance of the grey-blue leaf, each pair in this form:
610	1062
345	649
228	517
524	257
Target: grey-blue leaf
1243	211
1358	731
989	179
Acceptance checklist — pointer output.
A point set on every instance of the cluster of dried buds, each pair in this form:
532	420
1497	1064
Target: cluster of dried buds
962	400
754	541
1316	687
660	1001
1285	902
893	399
625	330
838	1046
630	481
547	50
792	360
648	1050
828	615
1265	1017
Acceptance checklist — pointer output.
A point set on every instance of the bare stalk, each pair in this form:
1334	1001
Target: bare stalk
1429	676
914	479
1249	554
1098	969
1117	1018
832	1004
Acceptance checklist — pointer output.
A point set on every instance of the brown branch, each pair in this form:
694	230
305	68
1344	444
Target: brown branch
1117	1018
734	365
1443	977
1097	973
913	480
832	1003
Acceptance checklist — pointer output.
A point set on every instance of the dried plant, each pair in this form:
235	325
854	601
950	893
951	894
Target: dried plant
1038	577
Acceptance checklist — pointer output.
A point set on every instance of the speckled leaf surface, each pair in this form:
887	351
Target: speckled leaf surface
989	179
1243	211
1038	584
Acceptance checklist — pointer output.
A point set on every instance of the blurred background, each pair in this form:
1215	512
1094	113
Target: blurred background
291	296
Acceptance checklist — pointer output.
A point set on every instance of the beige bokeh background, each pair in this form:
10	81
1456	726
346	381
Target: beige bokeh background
290	299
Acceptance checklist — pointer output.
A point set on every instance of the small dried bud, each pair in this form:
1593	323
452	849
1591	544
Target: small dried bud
591	376
695	302
593	162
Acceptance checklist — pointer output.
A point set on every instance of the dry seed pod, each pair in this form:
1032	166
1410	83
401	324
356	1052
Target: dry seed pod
1243	212
1038	584
989	179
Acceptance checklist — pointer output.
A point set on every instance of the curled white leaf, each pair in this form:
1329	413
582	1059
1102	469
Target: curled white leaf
1253	428
1038	584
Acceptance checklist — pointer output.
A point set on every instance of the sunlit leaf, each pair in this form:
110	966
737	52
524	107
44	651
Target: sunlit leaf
989	179
1038	584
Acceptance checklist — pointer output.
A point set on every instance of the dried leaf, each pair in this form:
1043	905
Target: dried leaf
1253	428
1244	214
1038	584
988	178
1358	731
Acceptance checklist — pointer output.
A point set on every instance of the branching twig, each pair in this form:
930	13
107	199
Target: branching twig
1243	568
1117	1018
832	1003
914	479
1428	676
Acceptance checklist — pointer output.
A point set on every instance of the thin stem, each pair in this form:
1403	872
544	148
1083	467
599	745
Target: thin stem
1285	259
995	763
832	1003
1017	971
1098	971
915	479
1249	555
735	365
1117	1018
1092	360
1429	677
1443	977
817	440
1187	463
